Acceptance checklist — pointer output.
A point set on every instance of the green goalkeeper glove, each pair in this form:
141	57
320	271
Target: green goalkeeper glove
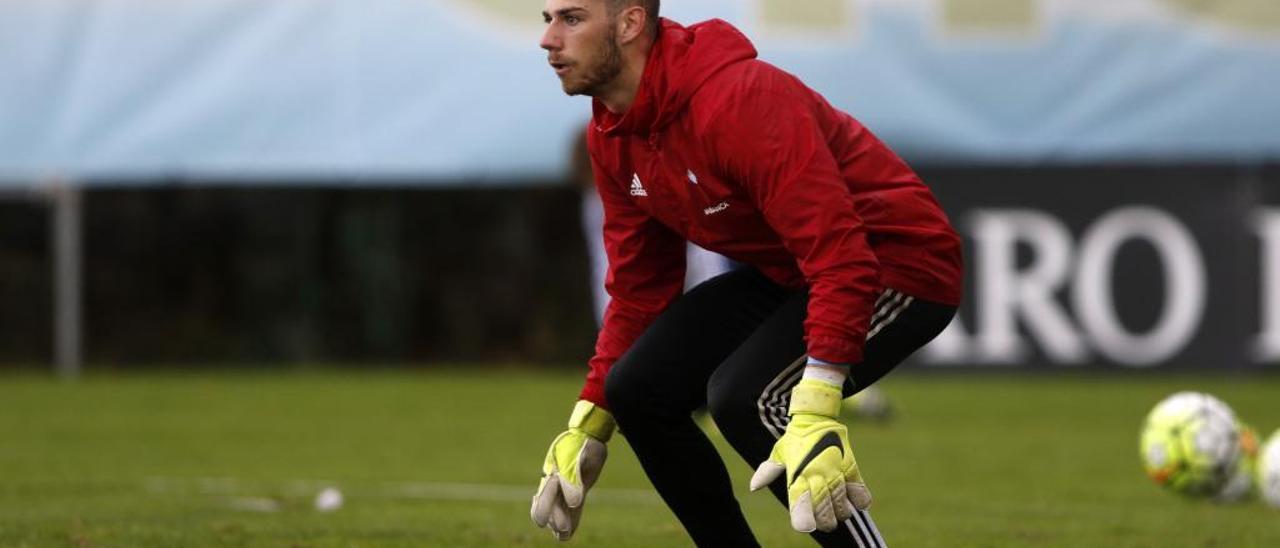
572	466
823	483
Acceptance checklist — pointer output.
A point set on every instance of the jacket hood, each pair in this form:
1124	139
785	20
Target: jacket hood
682	59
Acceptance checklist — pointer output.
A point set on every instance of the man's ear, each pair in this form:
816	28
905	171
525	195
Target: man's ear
632	23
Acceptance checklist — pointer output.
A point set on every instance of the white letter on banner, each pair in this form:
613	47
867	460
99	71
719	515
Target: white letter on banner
1267	224
1004	294
1185	289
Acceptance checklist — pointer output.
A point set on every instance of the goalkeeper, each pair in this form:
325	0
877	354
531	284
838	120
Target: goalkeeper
851	267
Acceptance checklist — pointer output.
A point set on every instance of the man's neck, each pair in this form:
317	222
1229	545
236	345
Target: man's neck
621	93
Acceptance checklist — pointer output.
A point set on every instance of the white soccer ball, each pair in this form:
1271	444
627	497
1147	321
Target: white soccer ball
329	499
1269	470
1190	444
1240	486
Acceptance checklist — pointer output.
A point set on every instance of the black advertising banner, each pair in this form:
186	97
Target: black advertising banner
1122	267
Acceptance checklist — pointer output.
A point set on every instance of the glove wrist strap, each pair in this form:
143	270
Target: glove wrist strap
596	421
815	397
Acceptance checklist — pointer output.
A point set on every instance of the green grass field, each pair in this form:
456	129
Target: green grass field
450	458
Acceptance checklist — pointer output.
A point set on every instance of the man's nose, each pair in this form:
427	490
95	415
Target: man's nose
550	40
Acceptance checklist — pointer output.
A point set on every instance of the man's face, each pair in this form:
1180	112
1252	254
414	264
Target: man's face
582	46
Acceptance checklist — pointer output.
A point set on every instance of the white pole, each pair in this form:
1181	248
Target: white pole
65	226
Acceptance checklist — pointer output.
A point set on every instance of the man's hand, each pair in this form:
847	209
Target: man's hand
823	483
572	466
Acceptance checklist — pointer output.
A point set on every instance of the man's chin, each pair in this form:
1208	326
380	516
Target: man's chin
579	86
574	89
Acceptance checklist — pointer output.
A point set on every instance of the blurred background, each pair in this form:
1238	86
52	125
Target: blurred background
198	185
284	181
288	181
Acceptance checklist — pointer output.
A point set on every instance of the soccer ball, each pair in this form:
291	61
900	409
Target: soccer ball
1191	444
1240	486
1269	470
871	404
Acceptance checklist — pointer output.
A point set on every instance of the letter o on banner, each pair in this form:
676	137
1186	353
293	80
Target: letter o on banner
1184	298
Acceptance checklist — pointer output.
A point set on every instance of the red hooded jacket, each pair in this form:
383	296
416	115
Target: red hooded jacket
743	159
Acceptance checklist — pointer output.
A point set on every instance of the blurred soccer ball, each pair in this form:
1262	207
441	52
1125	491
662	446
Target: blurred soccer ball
329	499
871	403
1240	486
1190	444
1269	470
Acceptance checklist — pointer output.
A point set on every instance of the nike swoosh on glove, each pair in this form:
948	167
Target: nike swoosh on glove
824	486
572	466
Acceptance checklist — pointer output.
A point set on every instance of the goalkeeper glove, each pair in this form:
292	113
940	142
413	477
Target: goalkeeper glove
572	466
823	483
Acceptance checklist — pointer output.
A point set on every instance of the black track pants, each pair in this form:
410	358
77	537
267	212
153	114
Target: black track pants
735	345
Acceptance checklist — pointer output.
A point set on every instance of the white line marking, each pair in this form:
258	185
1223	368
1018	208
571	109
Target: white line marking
421	490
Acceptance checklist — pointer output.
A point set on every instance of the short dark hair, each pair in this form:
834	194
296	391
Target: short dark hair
651	7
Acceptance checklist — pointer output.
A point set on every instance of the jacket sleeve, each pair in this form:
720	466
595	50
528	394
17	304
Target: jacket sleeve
646	273
771	143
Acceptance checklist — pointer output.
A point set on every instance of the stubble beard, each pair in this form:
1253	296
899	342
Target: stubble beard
603	74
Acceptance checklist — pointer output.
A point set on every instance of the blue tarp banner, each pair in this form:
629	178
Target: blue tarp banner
458	92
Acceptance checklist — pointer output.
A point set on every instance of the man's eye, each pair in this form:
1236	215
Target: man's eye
571	19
